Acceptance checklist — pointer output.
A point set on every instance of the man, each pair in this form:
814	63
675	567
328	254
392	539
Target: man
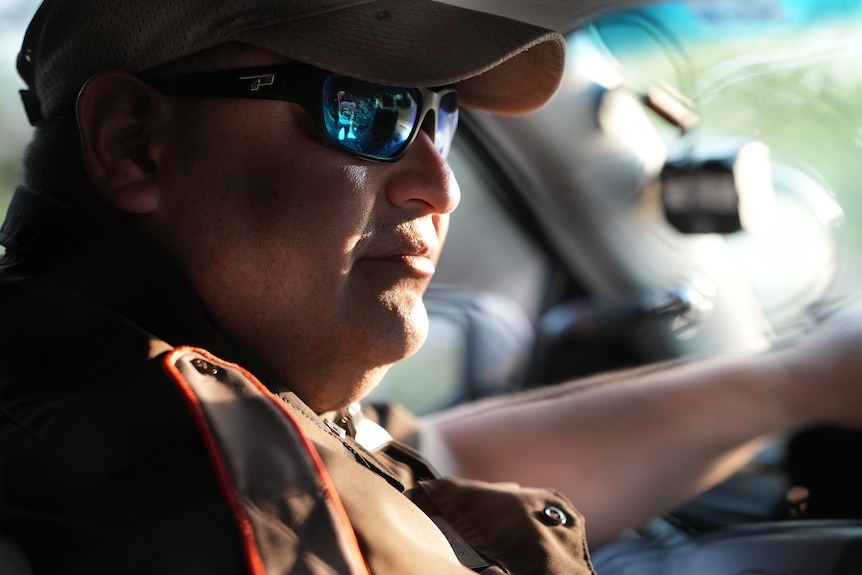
204	278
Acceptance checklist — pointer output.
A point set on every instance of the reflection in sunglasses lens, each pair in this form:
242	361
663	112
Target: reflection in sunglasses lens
368	118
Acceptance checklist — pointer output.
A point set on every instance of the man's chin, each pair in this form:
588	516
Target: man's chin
416	331
407	309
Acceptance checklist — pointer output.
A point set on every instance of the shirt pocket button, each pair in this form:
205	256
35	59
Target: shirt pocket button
552	515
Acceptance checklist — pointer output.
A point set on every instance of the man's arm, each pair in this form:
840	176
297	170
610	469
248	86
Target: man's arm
631	445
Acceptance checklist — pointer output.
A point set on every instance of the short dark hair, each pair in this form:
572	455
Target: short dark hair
54	160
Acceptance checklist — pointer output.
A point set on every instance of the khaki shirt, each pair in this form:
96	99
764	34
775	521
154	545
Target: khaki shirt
440	526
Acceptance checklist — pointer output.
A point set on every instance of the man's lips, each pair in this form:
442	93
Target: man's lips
416	257
415	264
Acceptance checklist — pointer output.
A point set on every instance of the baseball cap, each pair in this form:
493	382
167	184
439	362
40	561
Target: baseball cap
498	64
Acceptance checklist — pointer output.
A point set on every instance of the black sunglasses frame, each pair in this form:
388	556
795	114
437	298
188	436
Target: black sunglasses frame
300	84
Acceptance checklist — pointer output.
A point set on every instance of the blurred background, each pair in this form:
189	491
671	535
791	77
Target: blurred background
14	129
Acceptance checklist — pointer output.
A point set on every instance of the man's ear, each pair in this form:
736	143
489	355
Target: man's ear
121	119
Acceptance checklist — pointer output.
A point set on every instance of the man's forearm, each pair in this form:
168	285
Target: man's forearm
627	446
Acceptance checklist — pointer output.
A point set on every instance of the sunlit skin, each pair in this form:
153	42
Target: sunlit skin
314	259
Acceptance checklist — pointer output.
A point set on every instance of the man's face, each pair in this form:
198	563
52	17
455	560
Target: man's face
314	260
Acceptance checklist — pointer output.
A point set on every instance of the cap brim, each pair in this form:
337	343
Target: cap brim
499	65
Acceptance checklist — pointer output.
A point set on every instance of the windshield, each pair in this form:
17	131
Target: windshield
782	73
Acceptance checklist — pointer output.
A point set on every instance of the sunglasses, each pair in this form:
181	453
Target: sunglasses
367	120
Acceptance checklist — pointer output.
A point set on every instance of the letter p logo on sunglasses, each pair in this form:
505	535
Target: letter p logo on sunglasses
367	120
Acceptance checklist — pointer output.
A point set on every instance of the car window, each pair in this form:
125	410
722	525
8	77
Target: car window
486	248
784	74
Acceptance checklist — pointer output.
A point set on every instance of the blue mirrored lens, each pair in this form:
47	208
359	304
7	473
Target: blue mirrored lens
368	118
447	123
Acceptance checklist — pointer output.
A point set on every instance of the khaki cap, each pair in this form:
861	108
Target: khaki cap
499	65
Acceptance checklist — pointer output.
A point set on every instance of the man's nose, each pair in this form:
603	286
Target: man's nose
423	181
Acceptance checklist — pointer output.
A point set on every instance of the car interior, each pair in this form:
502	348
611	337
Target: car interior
689	192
